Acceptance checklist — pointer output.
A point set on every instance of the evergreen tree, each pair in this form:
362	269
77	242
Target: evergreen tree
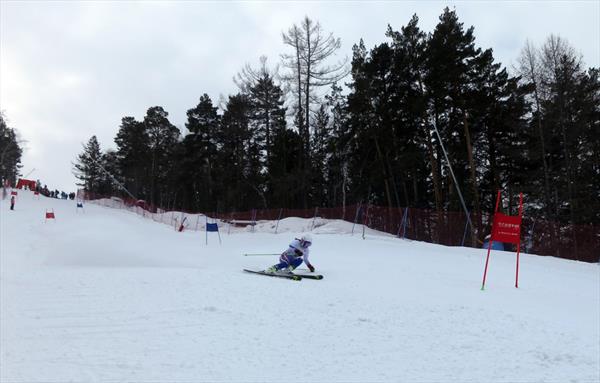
10	153
411	141
284	170
267	115
319	148
449	54
569	117
359	110
197	157
106	185
133	156
337	149
162	139
239	165
267	111
87	168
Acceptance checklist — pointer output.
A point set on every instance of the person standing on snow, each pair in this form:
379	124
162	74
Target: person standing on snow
12	202
293	257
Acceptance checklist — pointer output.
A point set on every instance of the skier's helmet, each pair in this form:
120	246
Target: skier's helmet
307	239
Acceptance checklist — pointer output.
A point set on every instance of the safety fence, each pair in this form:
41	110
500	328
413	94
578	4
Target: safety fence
576	242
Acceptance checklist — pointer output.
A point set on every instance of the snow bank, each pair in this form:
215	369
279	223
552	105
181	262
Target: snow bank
197	222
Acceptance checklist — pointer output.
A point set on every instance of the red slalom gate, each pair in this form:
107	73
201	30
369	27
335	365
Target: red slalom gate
507	229
50	215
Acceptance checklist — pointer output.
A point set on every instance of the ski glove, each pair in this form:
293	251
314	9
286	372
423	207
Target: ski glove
311	268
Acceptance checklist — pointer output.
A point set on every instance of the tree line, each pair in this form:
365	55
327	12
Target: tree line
310	132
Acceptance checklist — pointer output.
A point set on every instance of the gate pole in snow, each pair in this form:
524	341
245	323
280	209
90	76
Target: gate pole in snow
519	242
314	217
212	227
365	221
402	225
462	243
278	219
356	216
487	259
405	223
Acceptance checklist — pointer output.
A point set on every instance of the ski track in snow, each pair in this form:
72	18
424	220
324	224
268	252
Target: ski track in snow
110	296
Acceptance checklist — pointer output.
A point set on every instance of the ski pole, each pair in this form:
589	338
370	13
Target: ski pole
259	254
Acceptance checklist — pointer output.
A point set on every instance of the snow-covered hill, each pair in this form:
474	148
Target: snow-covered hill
110	296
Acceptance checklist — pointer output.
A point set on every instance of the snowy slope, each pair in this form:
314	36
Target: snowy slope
110	296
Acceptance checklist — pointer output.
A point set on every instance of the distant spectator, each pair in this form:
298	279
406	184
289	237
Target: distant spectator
12	202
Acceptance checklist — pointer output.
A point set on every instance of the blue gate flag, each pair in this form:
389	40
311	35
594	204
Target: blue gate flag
212	227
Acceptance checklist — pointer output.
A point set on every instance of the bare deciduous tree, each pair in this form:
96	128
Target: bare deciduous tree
529	70
308	71
307	64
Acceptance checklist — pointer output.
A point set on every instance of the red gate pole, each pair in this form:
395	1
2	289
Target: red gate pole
519	242
490	242
486	263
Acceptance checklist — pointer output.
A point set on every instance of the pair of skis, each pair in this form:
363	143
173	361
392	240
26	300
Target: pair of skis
295	277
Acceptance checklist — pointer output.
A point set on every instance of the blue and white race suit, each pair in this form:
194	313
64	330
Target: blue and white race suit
296	253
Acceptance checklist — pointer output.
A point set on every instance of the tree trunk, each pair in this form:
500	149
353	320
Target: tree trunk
473	180
385	174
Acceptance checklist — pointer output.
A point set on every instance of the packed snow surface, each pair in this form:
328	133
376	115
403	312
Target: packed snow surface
107	295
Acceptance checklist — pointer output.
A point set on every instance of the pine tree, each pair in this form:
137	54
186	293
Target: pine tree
267	111
284	170
110	173
319	156
10	153
87	169
569	114
337	149
162	138
241	182
411	141
197	157
133	156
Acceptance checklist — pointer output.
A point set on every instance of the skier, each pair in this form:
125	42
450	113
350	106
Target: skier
12	202
293	257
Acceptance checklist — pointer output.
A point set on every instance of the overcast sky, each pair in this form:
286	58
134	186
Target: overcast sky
70	70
